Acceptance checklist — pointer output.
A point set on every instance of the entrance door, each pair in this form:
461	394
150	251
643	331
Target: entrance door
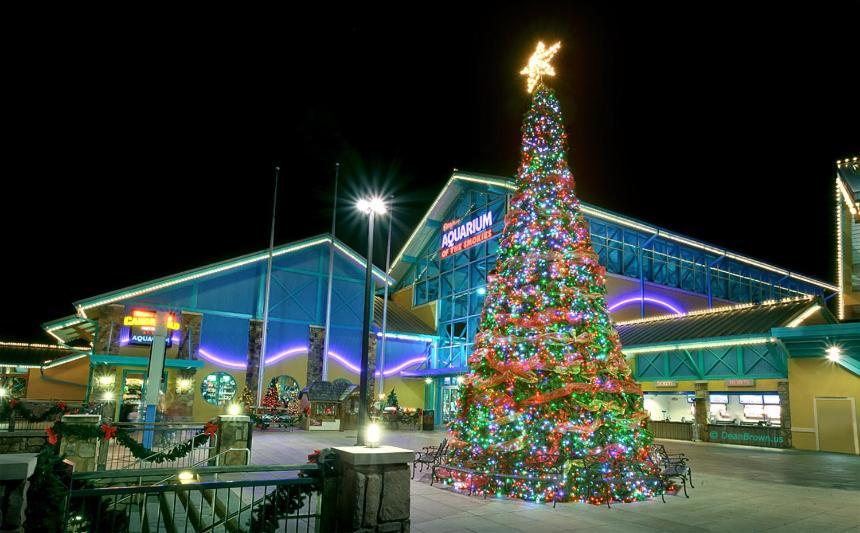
836	425
449	402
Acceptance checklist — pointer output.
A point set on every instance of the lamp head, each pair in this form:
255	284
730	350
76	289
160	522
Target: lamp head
375	205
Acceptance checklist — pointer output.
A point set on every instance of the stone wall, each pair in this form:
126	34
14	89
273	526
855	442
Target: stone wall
110	322
316	341
190	325
22	441
255	346
373	493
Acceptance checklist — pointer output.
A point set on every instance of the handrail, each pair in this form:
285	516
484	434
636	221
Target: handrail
205	485
225	469
142	460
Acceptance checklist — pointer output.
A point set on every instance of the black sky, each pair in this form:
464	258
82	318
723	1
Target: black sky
140	148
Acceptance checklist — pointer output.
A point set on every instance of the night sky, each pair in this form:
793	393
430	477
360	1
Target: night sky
144	150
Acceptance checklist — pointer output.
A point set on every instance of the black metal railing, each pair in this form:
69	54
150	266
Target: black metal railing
283	497
13	422
159	437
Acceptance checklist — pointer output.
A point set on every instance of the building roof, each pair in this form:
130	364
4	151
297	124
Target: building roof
426	229
848	170
22	354
76	326
731	322
399	320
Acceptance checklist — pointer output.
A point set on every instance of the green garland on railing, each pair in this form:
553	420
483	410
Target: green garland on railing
14	406
288	499
138	450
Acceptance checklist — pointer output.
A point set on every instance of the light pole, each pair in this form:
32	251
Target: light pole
371	207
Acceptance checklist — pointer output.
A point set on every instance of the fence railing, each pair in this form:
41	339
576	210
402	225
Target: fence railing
12	422
159	437
286	498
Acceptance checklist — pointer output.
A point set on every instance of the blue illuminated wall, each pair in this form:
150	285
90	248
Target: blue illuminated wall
230	299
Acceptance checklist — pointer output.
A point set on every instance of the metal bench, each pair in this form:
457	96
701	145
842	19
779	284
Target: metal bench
595	469
430	456
673	466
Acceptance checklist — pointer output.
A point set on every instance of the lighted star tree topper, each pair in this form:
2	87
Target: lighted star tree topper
549	410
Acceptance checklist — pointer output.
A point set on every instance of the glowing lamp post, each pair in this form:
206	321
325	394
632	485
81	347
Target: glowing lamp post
370	207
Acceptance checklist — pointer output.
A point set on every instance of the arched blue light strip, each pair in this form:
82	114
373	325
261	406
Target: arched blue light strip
636	299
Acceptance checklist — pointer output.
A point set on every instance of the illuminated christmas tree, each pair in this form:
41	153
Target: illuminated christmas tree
548	385
271	400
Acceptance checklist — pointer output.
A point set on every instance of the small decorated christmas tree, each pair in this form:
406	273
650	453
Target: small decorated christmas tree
392	400
271	400
548	386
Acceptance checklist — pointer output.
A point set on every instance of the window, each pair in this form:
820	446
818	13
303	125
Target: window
218	388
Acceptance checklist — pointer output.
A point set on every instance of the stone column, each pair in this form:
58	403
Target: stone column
784	414
15	469
371	368
702	407
374	489
189	332
316	343
255	346
83	453
110	322
234	431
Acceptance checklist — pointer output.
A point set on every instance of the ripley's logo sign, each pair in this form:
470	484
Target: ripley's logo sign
458	235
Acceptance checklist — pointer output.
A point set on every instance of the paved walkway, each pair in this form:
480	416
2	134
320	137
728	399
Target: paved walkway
738	489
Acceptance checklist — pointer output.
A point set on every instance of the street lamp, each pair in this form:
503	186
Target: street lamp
370	207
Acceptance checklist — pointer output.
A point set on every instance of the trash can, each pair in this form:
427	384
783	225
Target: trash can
427	419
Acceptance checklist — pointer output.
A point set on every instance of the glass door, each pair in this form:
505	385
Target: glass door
450	393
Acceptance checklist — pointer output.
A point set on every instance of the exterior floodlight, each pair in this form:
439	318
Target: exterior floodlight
234	409
375	205
428	381
374	435
834	353
186	477
2	392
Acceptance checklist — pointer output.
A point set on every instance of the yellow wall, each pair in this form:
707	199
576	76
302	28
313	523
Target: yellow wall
716	385
75	371
410	391
811	377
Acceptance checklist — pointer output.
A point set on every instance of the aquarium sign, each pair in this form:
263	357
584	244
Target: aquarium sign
458	235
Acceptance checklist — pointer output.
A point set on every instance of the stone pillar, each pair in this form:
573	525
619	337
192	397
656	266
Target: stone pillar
15	469
110	322
316	343
700	429
255	346
784	414
374	489
234	431
371	369
83	453
189	332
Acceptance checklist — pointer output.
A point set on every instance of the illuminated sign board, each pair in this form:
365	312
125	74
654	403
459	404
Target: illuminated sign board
141	326
458	235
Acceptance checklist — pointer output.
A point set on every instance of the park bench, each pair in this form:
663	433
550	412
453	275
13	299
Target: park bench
595	469
673	466
430	456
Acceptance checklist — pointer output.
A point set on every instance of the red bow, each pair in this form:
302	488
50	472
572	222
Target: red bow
52	436
13	402
109	431
210	428
61	406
